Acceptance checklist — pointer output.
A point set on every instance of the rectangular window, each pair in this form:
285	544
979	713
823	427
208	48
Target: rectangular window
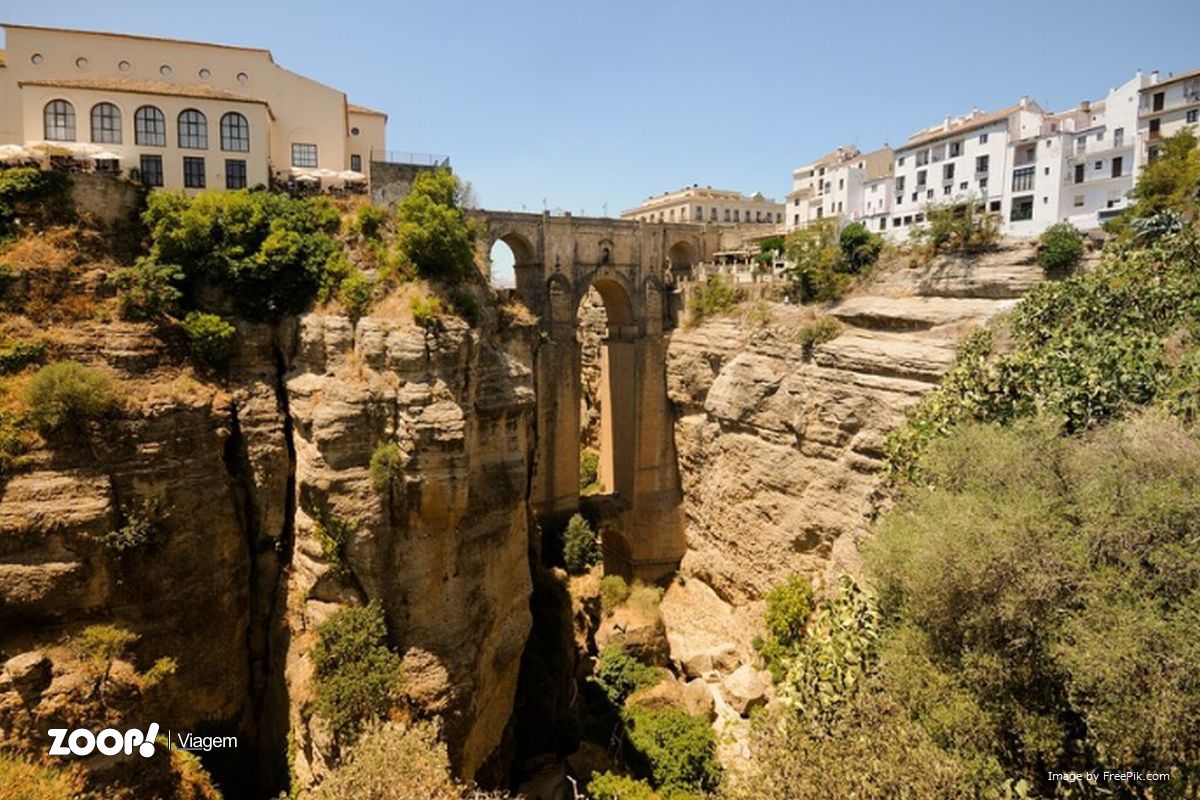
929	194
981	164
900	163
895	222
1159	98
983	138
994	206
1079	173
1193	115
922	158
962	187
920	178
1118	137
983	183
304	155
841	183
1118	164
235	173
737	215
955	149
1022	209
193	172
727	215
900	185
949	187
795	219
356	163
1155	126
948	172
1078	201
152	170
914	197
883	224
1023	179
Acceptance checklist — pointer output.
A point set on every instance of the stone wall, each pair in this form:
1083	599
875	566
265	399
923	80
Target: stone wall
392	182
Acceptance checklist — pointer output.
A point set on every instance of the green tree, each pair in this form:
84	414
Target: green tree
714	296
788	607
1171	182
432	231
619	674
860	248
674	749
211	338
580	548
66	396
356	674
815	259
147	290
1060	247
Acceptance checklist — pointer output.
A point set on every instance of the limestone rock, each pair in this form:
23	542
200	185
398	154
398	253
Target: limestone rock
744	690
641	633
29	673
698	699
666	693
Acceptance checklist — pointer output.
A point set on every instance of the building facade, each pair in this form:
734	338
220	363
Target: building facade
1165	107
699	204
836	186
182	114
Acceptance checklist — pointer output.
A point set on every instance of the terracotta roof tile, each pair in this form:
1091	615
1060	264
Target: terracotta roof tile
974	123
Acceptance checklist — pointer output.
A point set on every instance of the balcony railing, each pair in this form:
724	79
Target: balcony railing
409	157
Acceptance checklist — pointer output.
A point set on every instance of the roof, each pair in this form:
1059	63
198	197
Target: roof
968	124
147	87
138	36
357	109
1183	76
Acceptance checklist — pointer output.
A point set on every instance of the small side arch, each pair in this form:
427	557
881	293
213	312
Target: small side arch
682	259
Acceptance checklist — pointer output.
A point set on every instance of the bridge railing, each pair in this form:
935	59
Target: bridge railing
410	157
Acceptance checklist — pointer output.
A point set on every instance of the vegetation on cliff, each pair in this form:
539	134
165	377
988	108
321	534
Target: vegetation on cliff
825	262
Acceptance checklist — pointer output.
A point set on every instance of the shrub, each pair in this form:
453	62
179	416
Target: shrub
676	750
425	311
66	395
268	251
609	786
356	675
619	674
23	778
644	598
959	228
147	290
141	524
860	248
333	533
15	356
432	231
589	471
580	548
355	293
788	607
613	591
103	644
387	464
369	221
467	306
819	330
1170	184
714	296
1060	247
211	338
393	762
29	191
817	269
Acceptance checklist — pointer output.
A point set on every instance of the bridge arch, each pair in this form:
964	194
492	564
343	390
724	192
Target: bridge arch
682	258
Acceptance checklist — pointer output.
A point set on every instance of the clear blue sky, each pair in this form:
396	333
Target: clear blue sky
593	103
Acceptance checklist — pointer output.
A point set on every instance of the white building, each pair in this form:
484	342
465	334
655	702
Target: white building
1165	107
835	186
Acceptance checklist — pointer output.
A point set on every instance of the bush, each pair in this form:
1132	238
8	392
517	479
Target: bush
387	464
15	356
369	221
860	248
211	338
1170	184
714	296
608	786
817	269
355	293
644	598
393	762
589	471
957	228
356	675
1060	247
580	548
619	674
467	306
268	251
141	524
147	290
66	395
432	231
425	311
103	644
819	330
333	533
30	192
788	607
613	591
676	750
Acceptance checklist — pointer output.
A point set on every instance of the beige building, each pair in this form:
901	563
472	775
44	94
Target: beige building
697	203
182	114
1165	107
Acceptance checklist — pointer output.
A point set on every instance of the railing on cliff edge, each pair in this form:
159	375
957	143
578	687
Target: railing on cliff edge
409	157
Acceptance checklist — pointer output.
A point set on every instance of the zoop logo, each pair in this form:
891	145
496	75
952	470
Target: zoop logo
109	741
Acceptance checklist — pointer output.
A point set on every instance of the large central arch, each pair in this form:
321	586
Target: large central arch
629	264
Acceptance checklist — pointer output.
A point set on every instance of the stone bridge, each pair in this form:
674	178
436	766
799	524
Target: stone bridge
632	265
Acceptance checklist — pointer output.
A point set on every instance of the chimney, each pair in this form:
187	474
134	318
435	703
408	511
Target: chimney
945	123
1086	105
1154	77
1024	101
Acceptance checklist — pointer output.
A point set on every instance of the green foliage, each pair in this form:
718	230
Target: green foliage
432	231
589	471
28	191
1170	184
1060	247
370	220
955	228
1043	598
816	270
619	674
609	786
771	244
104	643
644	598
356	674
141	524
333	533
355	293
23	778
393	762
387	464
15	356
580	548
822	328
714	296
426	311
147	290
675	749
268	251
1085	348
66	396
860	248
838	649
467	305
613	592
788	607
211	338
162	669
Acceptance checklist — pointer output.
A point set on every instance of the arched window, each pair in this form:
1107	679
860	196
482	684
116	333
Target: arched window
106	123
193	130
235	133
149	127
59	120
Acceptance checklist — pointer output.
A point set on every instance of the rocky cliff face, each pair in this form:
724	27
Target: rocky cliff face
242	472
780	445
